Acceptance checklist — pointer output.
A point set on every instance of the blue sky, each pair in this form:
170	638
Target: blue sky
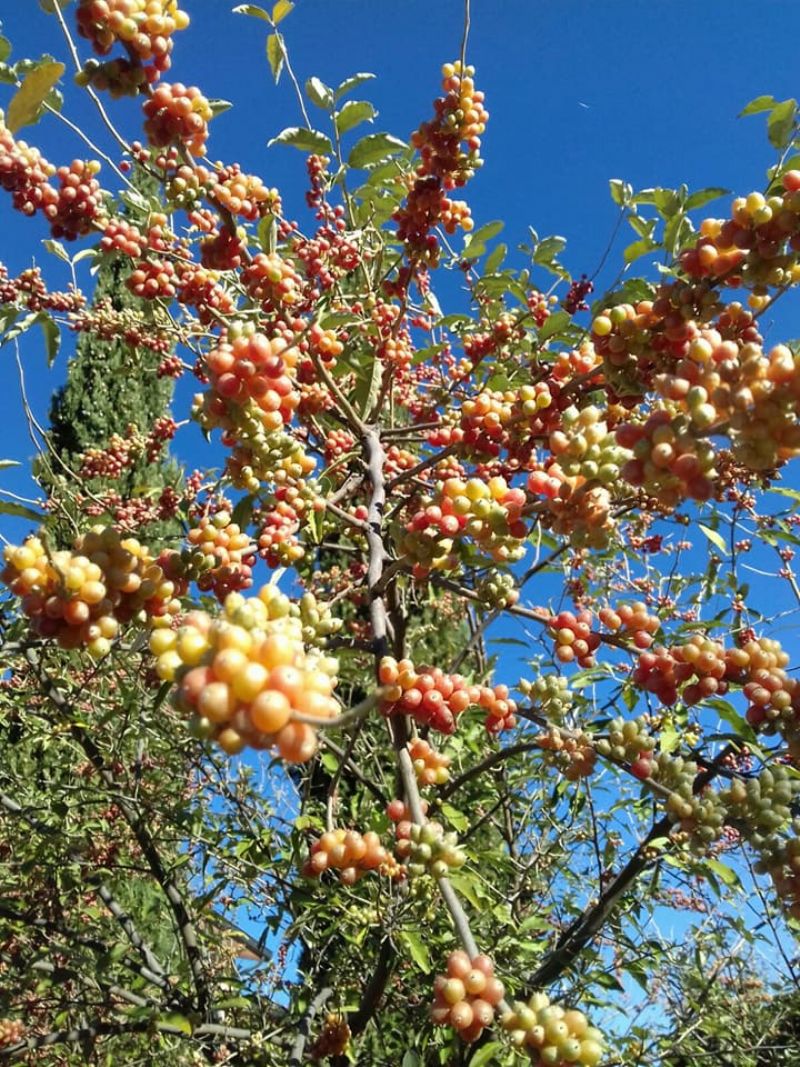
579	92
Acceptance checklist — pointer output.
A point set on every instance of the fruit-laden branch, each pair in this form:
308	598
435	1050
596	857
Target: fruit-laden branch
183	921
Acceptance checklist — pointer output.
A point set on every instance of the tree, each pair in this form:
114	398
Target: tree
314	821
95	418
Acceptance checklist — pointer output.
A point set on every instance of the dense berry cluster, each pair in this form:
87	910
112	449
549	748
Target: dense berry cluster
431	767
272	281
11	1032
221	555
490	513
144	27
245	676
332	1039
175	113
572	753
550	694
467	995
761	806
576	641
349	853
81	597
553	1036
436	699
629	741
444	165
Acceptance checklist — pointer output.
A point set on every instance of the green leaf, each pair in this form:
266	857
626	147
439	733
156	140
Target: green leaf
618	191
411	1059
374	148
56	248
18	328
457	819
553	324
475	242
354	112
252	9
728	713
486	1054
416	949
275	55
281	10
10	507
351	83
305	140
5	49
219	106
724	872
27	101
548	248
637	249
714	537
704	196
52	337
781	123
761	103
319	93
176	1022
669	739
495	259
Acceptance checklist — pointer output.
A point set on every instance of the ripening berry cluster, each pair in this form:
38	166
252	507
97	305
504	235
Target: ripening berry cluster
756	247
348	852
669	460
332	1039
433	698
221	556
550	696
260	456
431	767
175	113
761	806
72	208
24	173
460	118
629	741
490	513
467	995
699	817
497	589
574	508
573	754
243	677
553	1036
272	281
780	859
12	1031
81	597
78	201
428	849
637	341
144	27
316	619
585	447
576	641
249	369
277	540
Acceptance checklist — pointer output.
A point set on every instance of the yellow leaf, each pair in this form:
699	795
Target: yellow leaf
25	103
